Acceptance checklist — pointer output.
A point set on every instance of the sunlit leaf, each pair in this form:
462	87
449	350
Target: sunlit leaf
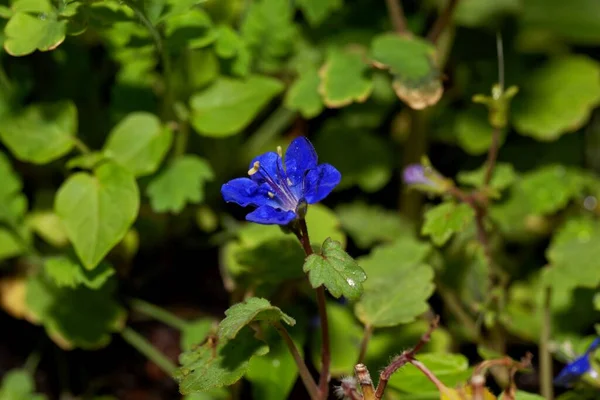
253	309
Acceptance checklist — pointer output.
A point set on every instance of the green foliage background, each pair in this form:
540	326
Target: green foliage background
120	120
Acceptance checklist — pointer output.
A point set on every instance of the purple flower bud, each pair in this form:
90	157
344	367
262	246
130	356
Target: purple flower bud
414	174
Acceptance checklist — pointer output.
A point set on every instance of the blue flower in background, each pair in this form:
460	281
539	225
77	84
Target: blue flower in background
414	174
577	368
280	189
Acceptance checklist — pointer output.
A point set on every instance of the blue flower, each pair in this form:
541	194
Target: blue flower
414	174
281	189
577	368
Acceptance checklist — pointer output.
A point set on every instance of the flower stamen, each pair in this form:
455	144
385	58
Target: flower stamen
279	151
254	169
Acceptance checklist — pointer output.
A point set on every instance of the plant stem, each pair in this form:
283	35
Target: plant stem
321	303
365	381
397	16
307	379
414	148
181	139
364	344
32	362
79	145
142	345
443	20
158	313
545	356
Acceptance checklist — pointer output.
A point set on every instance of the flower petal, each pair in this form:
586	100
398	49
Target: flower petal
319	182
268	215
245	192
573	371
271	169
593	346
300	156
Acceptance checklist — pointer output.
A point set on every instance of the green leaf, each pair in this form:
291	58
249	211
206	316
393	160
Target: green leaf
557	98
446	219
86	161
10	245
482	13
573	255
13	204
336	270
263	19
18	384
66	272
35	24
182	182
550	188
357	219
303	95
413	63
399	284
86	205
195	332
503	176
375	154
216	365
49	227
139	142
253	309
323	223
521	395
42	132
229	105
473	131
192	30
317	11
79	317
451	369
344	79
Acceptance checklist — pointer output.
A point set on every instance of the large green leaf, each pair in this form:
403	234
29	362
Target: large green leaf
317	11
80	317
446	219
344	79
550	188
97	210
336	270
66	272
42	132
215	365
253	309
139	142
413	63
34	25
18	384
357	219
182	182
398	284
557	98
229	105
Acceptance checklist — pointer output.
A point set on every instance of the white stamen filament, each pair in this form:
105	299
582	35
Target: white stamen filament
279	151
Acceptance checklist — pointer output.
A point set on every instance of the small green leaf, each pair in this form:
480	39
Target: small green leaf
336	270
35	24
482	13
49	227
557	98
180	183
413	63
86	204
344	79
66	272
550	188
139	142
253	309
18	384
229	105
399	284
303	95
451	369
10	245
317	11
473	131
191	30
42	132
215	365
503	176
357	219
79	317
196	332
446	219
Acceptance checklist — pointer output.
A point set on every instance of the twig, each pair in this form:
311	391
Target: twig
397	16
365	381
403	359
421	367
364	344
321	303
307	379
545	356
443	20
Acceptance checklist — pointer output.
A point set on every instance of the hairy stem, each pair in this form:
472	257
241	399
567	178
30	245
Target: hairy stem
307	379
545	356
397	15
142	345
321	303
365	381
442	22
364	344
158	313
